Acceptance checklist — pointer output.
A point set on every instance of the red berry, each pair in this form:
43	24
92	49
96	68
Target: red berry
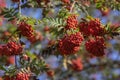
14	48
1	78
66	1
11	48
25	57
25	29
96	46
77	64
70	44
22	76
9	78
50	73
18	76
93	27
105	11
1	50
2	3
36	37
10	60
71	22
46	29
15	0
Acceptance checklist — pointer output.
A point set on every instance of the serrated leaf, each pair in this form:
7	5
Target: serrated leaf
12	10
107	26
3	68
10	19
7	15
55	22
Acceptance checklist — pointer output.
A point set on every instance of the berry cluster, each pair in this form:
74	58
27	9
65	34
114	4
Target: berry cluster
2	3
10	60
96	46
49	72
9	78
22	76
46	29
70	44
27	31
37	37
66	1
77	64
11	48
93	27
15	0
71	22
19	76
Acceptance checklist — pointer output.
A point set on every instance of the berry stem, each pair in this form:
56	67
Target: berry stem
19	7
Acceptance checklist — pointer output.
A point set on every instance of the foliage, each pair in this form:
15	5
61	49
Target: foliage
68	30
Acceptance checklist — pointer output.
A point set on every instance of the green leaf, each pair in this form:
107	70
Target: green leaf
10	19
32	56
7	15
99	5
55	22
3	68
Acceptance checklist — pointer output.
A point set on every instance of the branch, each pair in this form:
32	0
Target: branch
110	64
71	9
23	6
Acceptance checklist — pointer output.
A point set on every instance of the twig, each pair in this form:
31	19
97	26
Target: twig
110	64
83	9
71	9
16	62
19	7
22	6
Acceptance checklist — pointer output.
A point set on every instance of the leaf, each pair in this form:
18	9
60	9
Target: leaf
29	54
98	5
10	19
55	22
107	26
7	15
3	68
10	14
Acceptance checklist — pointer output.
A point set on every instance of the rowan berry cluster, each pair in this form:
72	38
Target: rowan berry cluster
18	76
77	64
70	44
15	0
66	1
22	76
96	46
93	27
71	22
11	48
27	31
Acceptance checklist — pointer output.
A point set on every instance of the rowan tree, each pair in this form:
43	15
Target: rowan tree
59	39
